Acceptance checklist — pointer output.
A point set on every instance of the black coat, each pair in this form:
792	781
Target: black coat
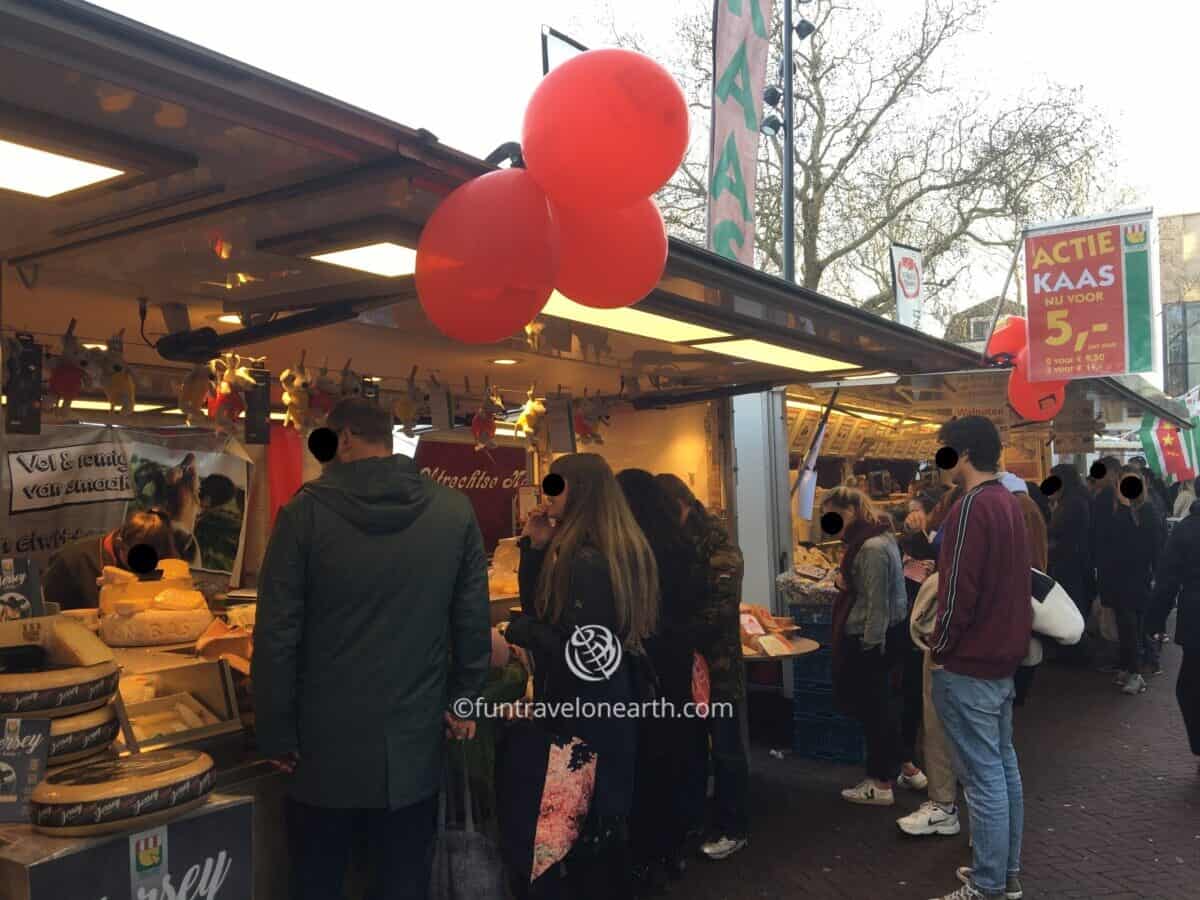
1070	548
1128	551
1178	580
613	738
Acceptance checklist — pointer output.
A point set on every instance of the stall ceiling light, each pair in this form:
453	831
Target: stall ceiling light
40	173
386	259
774	355
630	321
230	319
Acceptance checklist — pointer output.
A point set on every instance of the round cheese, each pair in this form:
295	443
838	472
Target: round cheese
155	626
58	692
76	737
118	794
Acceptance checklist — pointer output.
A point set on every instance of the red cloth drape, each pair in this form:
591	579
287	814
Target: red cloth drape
284	466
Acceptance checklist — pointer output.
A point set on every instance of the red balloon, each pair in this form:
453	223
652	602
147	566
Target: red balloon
488	258
1035	401
1009	338
605	129
610	258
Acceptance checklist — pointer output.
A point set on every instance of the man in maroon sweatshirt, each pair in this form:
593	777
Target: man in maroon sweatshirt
984	623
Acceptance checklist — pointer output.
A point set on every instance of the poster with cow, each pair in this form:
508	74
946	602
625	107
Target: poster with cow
79	481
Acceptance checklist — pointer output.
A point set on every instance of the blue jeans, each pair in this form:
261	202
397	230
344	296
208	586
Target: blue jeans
977	716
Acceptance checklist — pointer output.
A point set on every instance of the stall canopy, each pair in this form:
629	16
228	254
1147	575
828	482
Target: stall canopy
140	167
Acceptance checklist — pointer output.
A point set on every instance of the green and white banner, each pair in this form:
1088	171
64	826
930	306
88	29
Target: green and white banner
739	75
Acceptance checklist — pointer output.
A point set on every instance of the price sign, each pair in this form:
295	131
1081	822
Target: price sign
1089	300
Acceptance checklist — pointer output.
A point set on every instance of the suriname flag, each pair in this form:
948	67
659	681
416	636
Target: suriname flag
1173	453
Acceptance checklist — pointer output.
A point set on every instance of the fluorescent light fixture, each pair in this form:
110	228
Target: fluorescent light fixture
40	173
103	406
504	362
630	321
774	355
230	319
95	346
882	379
386	259
505	431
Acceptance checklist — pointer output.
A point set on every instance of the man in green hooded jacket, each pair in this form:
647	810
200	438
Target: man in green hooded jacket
372	625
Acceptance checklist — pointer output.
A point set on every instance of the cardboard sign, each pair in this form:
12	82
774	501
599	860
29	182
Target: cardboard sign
64	476
1090	309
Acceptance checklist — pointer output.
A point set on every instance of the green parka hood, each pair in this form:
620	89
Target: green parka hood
377	495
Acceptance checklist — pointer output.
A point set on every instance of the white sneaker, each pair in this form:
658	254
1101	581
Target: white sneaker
964	892
918	781
724	847
930	819
1012	883
1135	685
869	793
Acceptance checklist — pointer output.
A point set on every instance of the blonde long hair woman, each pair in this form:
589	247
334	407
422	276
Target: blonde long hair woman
589	597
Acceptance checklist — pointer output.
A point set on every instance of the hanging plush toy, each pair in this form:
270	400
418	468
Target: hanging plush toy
193	394
483	423
532	414
226	404
406	408
69	373
115	378
297	386
589	416
324	393
350	383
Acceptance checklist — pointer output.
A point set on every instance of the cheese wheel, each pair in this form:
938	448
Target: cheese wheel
57	692
72	644
118	794
155	626
76	737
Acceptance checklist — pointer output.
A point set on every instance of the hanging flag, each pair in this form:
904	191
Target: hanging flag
1169	453
739	75
908	284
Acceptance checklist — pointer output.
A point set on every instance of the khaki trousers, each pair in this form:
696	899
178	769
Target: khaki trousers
943	786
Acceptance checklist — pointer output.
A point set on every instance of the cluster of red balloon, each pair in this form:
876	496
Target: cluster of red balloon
1035	401
602	133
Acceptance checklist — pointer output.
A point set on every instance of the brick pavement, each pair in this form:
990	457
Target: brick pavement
1112	811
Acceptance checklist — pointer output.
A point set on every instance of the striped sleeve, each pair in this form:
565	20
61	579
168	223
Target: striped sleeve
963	558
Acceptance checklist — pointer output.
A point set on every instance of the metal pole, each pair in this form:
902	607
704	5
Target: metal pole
1012	269
789	150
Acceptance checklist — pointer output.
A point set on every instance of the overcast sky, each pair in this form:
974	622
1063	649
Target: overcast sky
464	70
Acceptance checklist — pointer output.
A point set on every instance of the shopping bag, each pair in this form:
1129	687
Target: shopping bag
701	685
466	863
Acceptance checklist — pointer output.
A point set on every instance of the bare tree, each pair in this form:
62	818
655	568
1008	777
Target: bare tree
892	146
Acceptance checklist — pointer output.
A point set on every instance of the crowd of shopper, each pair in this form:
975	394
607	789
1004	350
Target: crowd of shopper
374	627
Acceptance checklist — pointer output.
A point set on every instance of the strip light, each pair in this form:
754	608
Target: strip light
28	170
774	355
630	321
386	258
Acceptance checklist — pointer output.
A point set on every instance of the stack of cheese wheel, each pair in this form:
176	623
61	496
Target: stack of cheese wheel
136	613
78	672
133	792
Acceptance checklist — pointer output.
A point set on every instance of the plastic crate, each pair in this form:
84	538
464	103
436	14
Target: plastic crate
830	738
812	700
815	668
811	615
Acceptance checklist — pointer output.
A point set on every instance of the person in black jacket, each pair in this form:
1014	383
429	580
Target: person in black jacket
1070	531
1127	554
1179	581
659	823
589	600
